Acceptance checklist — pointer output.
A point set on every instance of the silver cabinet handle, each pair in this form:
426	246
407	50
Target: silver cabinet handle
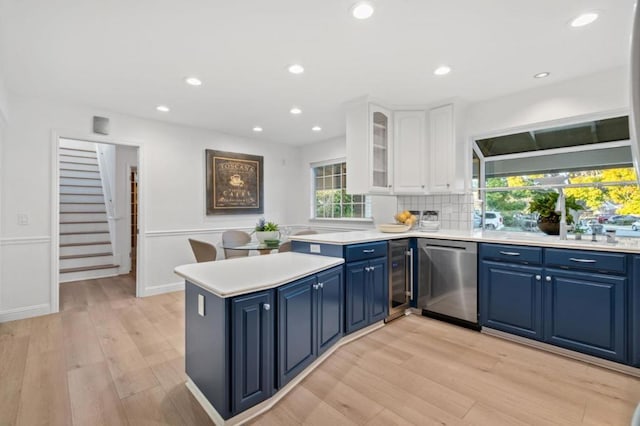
369	251
410	255
510	253
573	259
538	277
315	286
548	279
321	285
266	306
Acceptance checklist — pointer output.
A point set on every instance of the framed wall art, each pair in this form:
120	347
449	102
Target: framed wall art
234	183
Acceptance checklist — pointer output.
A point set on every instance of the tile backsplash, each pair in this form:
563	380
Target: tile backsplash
455	210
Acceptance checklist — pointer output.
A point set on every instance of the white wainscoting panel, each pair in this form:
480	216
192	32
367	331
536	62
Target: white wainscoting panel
25	260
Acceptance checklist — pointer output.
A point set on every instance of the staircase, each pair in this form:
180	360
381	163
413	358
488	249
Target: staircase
85	244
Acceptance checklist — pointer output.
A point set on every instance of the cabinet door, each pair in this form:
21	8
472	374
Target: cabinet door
380	143
586	312
356	306
378	289
511	298
409	153
441	149
330	308
296	328
252	359
634	306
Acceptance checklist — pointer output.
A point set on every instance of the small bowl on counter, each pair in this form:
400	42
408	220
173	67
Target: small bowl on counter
393	227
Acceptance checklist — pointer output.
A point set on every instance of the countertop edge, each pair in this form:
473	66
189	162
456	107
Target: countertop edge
331	262
600	246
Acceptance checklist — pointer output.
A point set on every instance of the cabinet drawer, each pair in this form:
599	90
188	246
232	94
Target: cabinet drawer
516	254
587	260
365	251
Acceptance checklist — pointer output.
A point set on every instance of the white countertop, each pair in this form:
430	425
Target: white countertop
624	245
243	275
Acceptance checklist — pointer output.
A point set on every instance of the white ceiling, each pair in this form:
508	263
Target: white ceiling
131	55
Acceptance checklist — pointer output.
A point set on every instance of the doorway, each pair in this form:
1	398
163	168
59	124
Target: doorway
133	214
96	212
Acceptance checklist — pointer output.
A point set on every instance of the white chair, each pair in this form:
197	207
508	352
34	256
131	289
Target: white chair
235	238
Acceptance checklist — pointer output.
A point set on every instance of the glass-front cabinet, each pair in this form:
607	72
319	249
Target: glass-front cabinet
369	149
380	145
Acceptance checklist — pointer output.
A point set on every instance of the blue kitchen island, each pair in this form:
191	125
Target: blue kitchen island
254	324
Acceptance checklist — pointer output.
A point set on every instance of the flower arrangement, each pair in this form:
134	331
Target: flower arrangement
264	226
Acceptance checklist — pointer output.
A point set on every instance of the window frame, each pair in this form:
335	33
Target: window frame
312	191
482	190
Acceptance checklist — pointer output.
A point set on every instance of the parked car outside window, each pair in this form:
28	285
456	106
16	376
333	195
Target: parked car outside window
493	221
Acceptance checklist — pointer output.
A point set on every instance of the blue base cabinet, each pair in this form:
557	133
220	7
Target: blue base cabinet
310	318
586	312
367	291
229	347
511	298
634	313
251	349
575	299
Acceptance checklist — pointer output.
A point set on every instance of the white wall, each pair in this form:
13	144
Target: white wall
383	207
605	91
4	99
171	184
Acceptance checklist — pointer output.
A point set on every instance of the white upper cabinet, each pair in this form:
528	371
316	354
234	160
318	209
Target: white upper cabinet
409	152
441	156
369	149
404	151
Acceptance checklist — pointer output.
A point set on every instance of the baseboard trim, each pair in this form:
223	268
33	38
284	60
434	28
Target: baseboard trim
25	312
88	278
621	368
264	406
164	288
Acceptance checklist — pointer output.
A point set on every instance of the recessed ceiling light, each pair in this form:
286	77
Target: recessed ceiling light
316	128
163	108
257	129
584	19
542	74
295	111
193	81
296	69
362	10
442	70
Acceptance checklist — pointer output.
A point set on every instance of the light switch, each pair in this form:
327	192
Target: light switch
314	248
23	219
201	305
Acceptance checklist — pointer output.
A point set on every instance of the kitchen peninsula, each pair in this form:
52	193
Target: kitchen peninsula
256	326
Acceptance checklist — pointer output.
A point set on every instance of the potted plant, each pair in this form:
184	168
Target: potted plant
266	231
544	204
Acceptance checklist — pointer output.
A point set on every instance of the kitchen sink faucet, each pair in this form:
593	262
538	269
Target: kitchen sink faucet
561	207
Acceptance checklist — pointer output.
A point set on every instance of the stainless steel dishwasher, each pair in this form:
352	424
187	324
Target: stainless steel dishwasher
448	280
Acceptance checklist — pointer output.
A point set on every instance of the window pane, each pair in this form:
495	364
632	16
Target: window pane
331	199
588	133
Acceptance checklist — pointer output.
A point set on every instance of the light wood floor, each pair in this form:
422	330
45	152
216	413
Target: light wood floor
109	358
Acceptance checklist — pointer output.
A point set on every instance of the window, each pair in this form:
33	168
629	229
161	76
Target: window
591	161
330	198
